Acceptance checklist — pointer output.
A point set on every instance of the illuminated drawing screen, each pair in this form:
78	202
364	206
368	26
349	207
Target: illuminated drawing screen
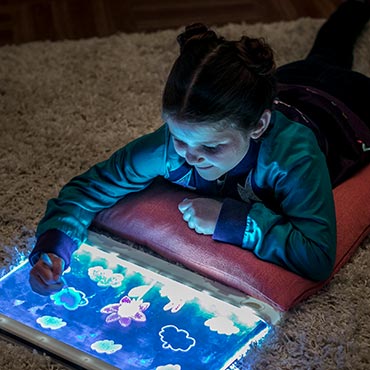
124	315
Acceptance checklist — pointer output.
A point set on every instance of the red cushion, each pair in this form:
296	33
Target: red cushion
151	218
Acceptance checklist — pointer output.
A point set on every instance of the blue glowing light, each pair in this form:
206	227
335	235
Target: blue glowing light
222	325
50	322
176	339
169	367
70	298
177	297
106	346
131	317
105	277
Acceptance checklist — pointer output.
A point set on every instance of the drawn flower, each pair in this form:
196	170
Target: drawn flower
125	311
70	298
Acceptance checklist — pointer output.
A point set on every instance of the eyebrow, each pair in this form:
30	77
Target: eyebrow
206	143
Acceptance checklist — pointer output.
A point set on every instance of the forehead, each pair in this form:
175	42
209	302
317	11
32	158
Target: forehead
201	133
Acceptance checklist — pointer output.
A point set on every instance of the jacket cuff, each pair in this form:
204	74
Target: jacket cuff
232	222
54	241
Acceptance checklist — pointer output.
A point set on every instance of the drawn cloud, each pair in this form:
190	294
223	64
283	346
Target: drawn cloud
176	339
222	325
106	346
105	277
51	322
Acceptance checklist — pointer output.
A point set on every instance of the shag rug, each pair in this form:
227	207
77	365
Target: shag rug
67	105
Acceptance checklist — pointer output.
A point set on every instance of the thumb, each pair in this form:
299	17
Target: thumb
58	265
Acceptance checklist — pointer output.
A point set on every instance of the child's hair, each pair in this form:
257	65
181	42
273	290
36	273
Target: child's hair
218	81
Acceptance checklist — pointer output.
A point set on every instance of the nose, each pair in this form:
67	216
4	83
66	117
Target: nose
193	157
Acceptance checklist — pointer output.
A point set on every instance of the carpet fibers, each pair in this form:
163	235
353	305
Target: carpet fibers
67	105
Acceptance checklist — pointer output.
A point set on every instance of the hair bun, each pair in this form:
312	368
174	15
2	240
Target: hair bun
196	31
256	54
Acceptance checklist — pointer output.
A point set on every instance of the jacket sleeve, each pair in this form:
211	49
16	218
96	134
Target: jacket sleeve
64	225
299	234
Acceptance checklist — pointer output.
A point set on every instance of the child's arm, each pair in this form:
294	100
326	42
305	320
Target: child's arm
301	237
299	234
132	168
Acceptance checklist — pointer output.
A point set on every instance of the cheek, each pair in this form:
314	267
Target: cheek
233	155
218	157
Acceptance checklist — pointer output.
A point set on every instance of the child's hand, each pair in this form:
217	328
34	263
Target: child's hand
201	214
45	276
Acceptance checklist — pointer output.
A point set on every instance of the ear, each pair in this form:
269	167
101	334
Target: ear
262	125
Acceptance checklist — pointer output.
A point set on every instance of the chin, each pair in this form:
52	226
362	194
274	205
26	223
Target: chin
211	176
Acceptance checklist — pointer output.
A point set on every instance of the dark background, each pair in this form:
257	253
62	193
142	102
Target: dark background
29	20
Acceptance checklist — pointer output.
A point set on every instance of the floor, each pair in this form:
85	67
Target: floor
29	20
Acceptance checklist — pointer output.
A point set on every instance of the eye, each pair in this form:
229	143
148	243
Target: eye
211	149
178	142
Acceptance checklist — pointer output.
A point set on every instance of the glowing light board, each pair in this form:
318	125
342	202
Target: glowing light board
122	308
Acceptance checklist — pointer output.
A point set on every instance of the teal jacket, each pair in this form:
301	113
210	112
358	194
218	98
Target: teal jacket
277	202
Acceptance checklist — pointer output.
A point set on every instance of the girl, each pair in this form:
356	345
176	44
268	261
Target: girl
263	148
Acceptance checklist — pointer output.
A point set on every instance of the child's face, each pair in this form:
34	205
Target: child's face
211	151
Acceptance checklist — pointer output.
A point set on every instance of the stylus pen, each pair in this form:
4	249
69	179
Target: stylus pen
45	257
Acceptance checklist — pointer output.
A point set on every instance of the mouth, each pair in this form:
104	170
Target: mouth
203	168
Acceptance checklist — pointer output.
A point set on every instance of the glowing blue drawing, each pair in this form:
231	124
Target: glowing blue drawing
70	298
106	346
139	291
105	277
222	325
51	322
177	297
176	339
34	310
168	367
83	337
130	316
125	311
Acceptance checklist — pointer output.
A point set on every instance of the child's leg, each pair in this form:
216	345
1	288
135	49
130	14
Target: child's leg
335	40
322	70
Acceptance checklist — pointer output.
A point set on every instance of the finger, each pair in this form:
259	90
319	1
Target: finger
58	266
46	260
201	231
186	216
184	205
192	224
46	290
53	263
43	272
39	286
43	269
